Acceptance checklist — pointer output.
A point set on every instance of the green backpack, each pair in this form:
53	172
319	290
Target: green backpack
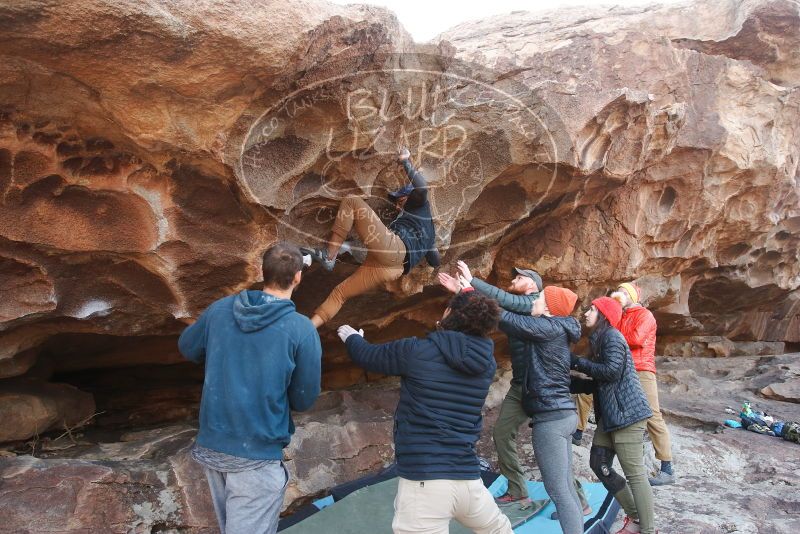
791	432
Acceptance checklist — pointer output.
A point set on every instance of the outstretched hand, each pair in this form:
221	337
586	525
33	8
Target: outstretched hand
346	331
464	271
463	282
449	283
404	154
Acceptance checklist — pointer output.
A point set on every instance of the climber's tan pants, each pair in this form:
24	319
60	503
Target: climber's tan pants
656	426
584	403
385	254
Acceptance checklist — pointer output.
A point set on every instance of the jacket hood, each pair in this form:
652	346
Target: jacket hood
254	310
571	326
470	355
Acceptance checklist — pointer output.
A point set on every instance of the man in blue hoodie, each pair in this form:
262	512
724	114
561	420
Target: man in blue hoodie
262	360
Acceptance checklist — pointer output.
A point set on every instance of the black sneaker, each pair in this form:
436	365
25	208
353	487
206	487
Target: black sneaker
320	256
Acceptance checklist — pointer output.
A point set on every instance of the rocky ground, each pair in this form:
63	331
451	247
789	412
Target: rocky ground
143	481
151	151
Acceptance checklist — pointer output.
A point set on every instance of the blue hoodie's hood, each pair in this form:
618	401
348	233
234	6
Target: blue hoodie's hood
254	310
468	354
571	326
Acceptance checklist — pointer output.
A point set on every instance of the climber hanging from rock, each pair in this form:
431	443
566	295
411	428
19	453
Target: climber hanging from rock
391	251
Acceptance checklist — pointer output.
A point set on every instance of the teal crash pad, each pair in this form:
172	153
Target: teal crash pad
370	510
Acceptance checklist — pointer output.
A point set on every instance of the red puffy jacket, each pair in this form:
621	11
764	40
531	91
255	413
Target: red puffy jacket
639	328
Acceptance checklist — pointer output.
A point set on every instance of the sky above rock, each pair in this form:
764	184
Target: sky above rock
425	19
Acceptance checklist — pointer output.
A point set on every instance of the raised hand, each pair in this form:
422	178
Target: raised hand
404	154
464	271
463	282
449	283
346	331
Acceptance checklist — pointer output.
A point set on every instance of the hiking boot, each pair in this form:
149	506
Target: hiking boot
320	255
509	499
629	526
662	479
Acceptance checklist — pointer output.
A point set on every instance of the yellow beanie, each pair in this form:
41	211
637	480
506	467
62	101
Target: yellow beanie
631	290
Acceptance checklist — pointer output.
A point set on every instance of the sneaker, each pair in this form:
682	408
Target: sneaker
320	256
629	526
663	479
577	437
509	499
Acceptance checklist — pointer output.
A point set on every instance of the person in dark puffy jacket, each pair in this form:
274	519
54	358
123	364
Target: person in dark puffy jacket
546	395
445	380
523	290
621	410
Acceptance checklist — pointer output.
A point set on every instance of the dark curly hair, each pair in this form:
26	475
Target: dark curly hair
471	313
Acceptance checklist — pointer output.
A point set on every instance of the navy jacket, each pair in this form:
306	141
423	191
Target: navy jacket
415	224
262	359
547	379
445	380
619	399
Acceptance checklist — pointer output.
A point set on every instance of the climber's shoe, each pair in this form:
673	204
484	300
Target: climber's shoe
320	256
511	499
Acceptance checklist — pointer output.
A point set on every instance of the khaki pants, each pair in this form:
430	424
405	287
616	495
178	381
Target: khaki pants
636	498
428	506
584	403
656	426
385	256
505	440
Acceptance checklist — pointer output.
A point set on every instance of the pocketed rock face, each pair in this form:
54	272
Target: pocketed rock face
120	215
684	147
148	154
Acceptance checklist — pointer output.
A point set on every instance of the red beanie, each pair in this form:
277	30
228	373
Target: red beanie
560	300
611	308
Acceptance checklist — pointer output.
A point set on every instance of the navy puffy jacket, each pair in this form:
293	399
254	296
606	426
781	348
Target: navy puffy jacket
445	380
619	399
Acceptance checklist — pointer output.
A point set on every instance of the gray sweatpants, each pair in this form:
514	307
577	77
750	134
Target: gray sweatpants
552	445
248	502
